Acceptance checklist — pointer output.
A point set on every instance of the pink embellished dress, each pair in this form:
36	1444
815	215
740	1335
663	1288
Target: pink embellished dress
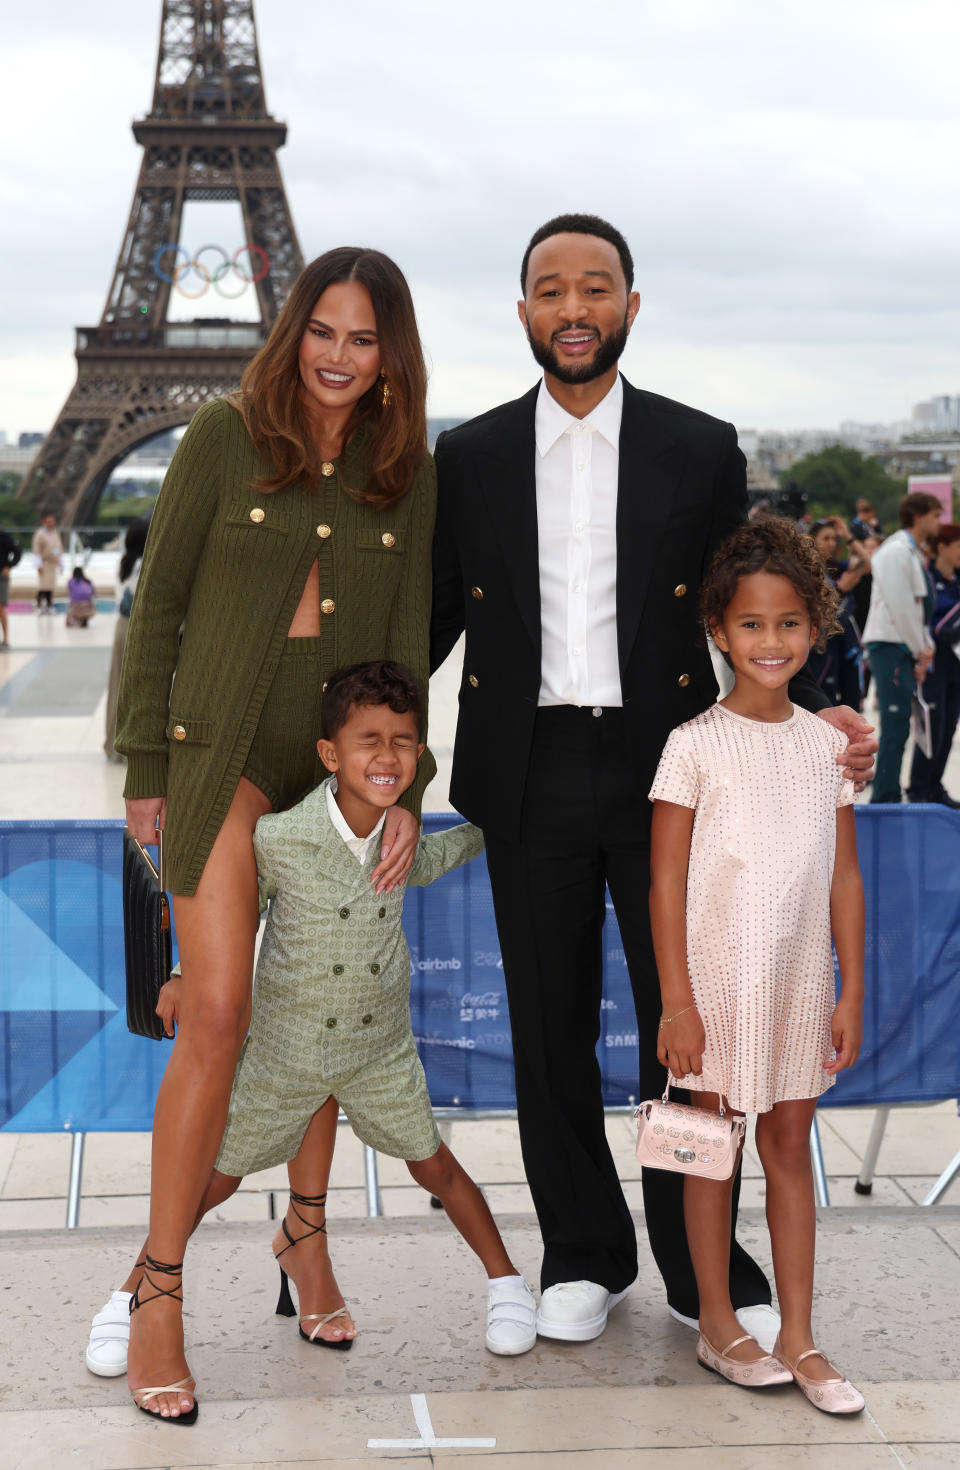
758	897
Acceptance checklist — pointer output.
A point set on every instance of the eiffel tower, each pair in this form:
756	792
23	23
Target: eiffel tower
208	136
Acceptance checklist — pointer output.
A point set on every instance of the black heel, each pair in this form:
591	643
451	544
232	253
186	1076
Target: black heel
285	1307
141	1396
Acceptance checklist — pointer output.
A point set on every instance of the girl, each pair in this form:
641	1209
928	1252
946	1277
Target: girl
293	534
81	607
753	863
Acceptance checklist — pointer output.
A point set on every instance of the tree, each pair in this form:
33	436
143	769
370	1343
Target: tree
837	476
14	512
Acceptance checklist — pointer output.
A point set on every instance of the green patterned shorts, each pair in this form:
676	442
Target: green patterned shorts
385	1100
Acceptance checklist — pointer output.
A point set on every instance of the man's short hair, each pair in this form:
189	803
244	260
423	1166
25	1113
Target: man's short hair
917	503
379	682
579	224
947	534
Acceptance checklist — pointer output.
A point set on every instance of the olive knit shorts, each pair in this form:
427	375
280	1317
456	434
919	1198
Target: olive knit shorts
282	761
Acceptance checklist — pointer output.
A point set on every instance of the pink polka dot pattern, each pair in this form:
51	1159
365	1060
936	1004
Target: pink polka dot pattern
758	897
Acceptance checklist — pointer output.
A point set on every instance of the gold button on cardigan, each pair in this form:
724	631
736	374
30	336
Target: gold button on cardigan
233	585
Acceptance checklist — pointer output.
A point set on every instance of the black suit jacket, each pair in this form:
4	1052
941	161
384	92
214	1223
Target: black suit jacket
681	490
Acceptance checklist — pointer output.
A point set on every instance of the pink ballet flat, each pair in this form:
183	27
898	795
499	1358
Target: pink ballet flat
761	1373
832	1395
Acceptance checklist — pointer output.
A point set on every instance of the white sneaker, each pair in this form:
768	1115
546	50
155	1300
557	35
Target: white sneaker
106	1353
511	1316
762	1323
576	1311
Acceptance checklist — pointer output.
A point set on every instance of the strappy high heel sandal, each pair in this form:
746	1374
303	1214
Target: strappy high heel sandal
141	1396
285	1307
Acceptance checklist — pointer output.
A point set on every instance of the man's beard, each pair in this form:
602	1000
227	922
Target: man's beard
609	351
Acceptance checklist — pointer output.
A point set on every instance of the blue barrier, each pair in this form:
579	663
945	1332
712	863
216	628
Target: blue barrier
68	1063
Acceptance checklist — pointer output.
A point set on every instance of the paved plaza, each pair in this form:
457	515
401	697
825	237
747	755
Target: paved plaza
418	1386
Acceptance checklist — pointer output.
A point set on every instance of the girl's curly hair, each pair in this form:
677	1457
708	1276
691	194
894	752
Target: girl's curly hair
772	544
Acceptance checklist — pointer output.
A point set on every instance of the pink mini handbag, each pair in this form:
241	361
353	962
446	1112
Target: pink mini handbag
689	1140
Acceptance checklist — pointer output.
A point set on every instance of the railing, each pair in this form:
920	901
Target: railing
67	1062
242	336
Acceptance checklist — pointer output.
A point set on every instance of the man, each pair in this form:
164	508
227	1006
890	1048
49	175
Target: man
9	557
866	521
898	644
573	528
48	550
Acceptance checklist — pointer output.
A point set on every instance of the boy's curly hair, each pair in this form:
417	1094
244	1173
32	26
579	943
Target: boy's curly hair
377	682
772	544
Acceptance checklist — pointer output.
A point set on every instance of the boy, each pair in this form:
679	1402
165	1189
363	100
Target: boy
331	1014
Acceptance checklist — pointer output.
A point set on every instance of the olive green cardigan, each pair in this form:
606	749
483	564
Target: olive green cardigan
229	563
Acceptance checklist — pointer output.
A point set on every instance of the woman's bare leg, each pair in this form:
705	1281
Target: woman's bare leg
308	1263
220	1188
216	930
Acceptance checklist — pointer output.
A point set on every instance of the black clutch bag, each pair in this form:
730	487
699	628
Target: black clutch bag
146	936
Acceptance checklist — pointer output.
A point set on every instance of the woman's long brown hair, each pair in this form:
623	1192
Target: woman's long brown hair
270	399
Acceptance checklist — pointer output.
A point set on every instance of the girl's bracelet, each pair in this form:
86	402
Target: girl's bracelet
665	1020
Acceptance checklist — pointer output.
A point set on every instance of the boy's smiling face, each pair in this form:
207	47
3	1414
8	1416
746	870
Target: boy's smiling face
374	755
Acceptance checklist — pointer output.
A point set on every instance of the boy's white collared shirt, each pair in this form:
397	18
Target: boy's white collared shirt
577	470
359	846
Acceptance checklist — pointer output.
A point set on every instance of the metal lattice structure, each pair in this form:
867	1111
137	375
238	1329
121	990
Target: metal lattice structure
208	136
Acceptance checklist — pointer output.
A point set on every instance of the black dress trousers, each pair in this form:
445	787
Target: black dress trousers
586	826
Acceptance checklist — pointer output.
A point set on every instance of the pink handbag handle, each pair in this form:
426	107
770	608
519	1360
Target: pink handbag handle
675	1081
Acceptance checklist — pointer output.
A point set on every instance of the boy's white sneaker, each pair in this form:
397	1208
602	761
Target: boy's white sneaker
511	1316
106	1353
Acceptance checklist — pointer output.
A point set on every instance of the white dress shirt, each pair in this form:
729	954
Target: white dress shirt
359	846
897	594
576	473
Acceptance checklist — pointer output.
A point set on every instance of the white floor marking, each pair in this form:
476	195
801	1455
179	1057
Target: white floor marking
422	1415
428	1439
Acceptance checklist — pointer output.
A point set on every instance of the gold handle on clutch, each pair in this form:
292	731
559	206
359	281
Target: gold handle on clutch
159	868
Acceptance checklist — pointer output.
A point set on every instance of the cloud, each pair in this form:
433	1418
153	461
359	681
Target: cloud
786	177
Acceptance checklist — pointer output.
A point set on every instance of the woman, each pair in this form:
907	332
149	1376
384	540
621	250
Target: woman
47	551
941	687
839	668
292	535
128	575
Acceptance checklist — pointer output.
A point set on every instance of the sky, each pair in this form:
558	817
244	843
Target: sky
786	176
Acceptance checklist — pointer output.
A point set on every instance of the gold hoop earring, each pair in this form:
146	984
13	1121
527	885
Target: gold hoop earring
385	394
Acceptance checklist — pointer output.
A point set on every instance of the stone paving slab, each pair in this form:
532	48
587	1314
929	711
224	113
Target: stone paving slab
888	1285
603	1427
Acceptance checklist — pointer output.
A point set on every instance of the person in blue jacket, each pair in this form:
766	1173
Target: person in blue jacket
839	668
941	687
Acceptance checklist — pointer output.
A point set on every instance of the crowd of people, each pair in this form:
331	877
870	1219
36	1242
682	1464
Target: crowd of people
308	564
899	628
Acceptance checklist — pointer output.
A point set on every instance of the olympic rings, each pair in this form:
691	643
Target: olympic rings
257	267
